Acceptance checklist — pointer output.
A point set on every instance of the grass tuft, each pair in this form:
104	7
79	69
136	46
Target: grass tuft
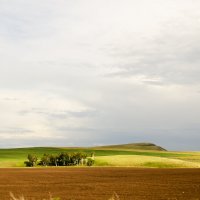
115	196
13	197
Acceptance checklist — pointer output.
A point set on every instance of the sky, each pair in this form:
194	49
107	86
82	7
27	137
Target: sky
97	72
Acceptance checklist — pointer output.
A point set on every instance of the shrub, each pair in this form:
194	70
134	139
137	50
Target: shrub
27	163
62	159
32	160
90	162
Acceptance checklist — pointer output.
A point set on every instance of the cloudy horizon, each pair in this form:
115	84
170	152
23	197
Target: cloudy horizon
97	72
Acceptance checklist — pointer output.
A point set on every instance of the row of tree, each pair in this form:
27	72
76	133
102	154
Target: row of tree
62	159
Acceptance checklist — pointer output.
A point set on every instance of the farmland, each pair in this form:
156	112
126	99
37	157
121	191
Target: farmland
109	156
131	173
100	183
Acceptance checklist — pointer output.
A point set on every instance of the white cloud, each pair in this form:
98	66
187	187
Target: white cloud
99	71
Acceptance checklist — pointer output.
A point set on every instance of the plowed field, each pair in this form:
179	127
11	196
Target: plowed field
101	183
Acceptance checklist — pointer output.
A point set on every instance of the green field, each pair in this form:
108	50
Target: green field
109	156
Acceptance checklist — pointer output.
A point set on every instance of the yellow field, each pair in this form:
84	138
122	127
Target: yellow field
144	161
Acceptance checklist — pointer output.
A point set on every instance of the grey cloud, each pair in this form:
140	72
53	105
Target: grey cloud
62	114
100	72
14	130
172	56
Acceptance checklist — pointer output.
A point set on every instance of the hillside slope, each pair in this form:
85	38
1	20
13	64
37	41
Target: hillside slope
119	155
135	146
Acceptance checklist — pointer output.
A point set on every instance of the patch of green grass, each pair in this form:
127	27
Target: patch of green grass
20	153
16	157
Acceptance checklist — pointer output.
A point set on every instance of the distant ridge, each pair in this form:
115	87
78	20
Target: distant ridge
136	146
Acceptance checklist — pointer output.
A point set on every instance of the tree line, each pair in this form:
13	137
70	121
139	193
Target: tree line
62	159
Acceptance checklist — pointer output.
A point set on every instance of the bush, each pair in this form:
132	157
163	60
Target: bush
45	160
90	162
62	159
32	160
28	164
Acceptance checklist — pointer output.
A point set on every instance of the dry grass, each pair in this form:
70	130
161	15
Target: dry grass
115	196
13	197
144	161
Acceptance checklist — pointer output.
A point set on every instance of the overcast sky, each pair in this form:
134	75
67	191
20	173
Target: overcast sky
94	72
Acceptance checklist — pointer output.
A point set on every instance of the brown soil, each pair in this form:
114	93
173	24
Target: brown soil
101	183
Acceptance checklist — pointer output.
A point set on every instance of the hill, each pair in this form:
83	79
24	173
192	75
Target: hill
135	146
132	155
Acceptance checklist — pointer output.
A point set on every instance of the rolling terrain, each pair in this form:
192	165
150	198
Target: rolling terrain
139	146
127	155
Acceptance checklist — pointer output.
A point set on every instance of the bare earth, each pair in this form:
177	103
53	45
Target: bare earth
101	183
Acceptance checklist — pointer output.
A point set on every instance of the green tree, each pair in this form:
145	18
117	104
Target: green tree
83	158
45	160
32	160
64	159
54	159
90	162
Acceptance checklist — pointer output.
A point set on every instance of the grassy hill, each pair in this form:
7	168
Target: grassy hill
136	146
132	155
